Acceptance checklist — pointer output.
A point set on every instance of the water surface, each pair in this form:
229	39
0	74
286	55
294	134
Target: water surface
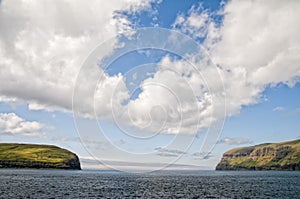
101	184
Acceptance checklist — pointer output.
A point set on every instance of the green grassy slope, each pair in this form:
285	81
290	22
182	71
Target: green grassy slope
273	156
36	156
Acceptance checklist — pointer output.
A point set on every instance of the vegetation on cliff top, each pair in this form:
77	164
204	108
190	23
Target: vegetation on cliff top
36	156
270	156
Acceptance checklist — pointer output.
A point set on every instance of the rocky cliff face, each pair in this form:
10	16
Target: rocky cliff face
276	156
37	156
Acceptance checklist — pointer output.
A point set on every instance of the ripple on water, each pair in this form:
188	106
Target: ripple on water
58	184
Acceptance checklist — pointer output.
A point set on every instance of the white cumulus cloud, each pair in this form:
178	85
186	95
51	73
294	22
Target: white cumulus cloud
195	23
10	123
43	44
263	43
256	46
42	47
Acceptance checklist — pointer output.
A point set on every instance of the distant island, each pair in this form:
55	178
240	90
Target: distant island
269	156
37	157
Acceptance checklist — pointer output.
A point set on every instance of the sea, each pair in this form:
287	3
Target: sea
16	183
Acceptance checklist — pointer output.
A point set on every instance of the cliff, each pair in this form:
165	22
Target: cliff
274	156
37	156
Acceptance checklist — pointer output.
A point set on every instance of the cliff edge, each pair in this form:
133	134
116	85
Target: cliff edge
270	156
37	156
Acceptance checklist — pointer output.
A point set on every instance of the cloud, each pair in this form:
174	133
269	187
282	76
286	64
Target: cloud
264	44
168	103
169	152
235	141
10	123
43	43
164	152
42	48
251	52
203	155
278	108
258	49
199	23
100	145
287	112
196	23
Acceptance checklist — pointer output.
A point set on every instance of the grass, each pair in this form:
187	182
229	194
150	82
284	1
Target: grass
26	154
270	155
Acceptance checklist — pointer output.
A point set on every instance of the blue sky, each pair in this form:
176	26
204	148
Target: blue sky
151	107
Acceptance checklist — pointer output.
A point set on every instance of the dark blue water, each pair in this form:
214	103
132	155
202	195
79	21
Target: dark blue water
97	184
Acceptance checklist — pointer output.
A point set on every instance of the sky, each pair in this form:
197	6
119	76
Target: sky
143	85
